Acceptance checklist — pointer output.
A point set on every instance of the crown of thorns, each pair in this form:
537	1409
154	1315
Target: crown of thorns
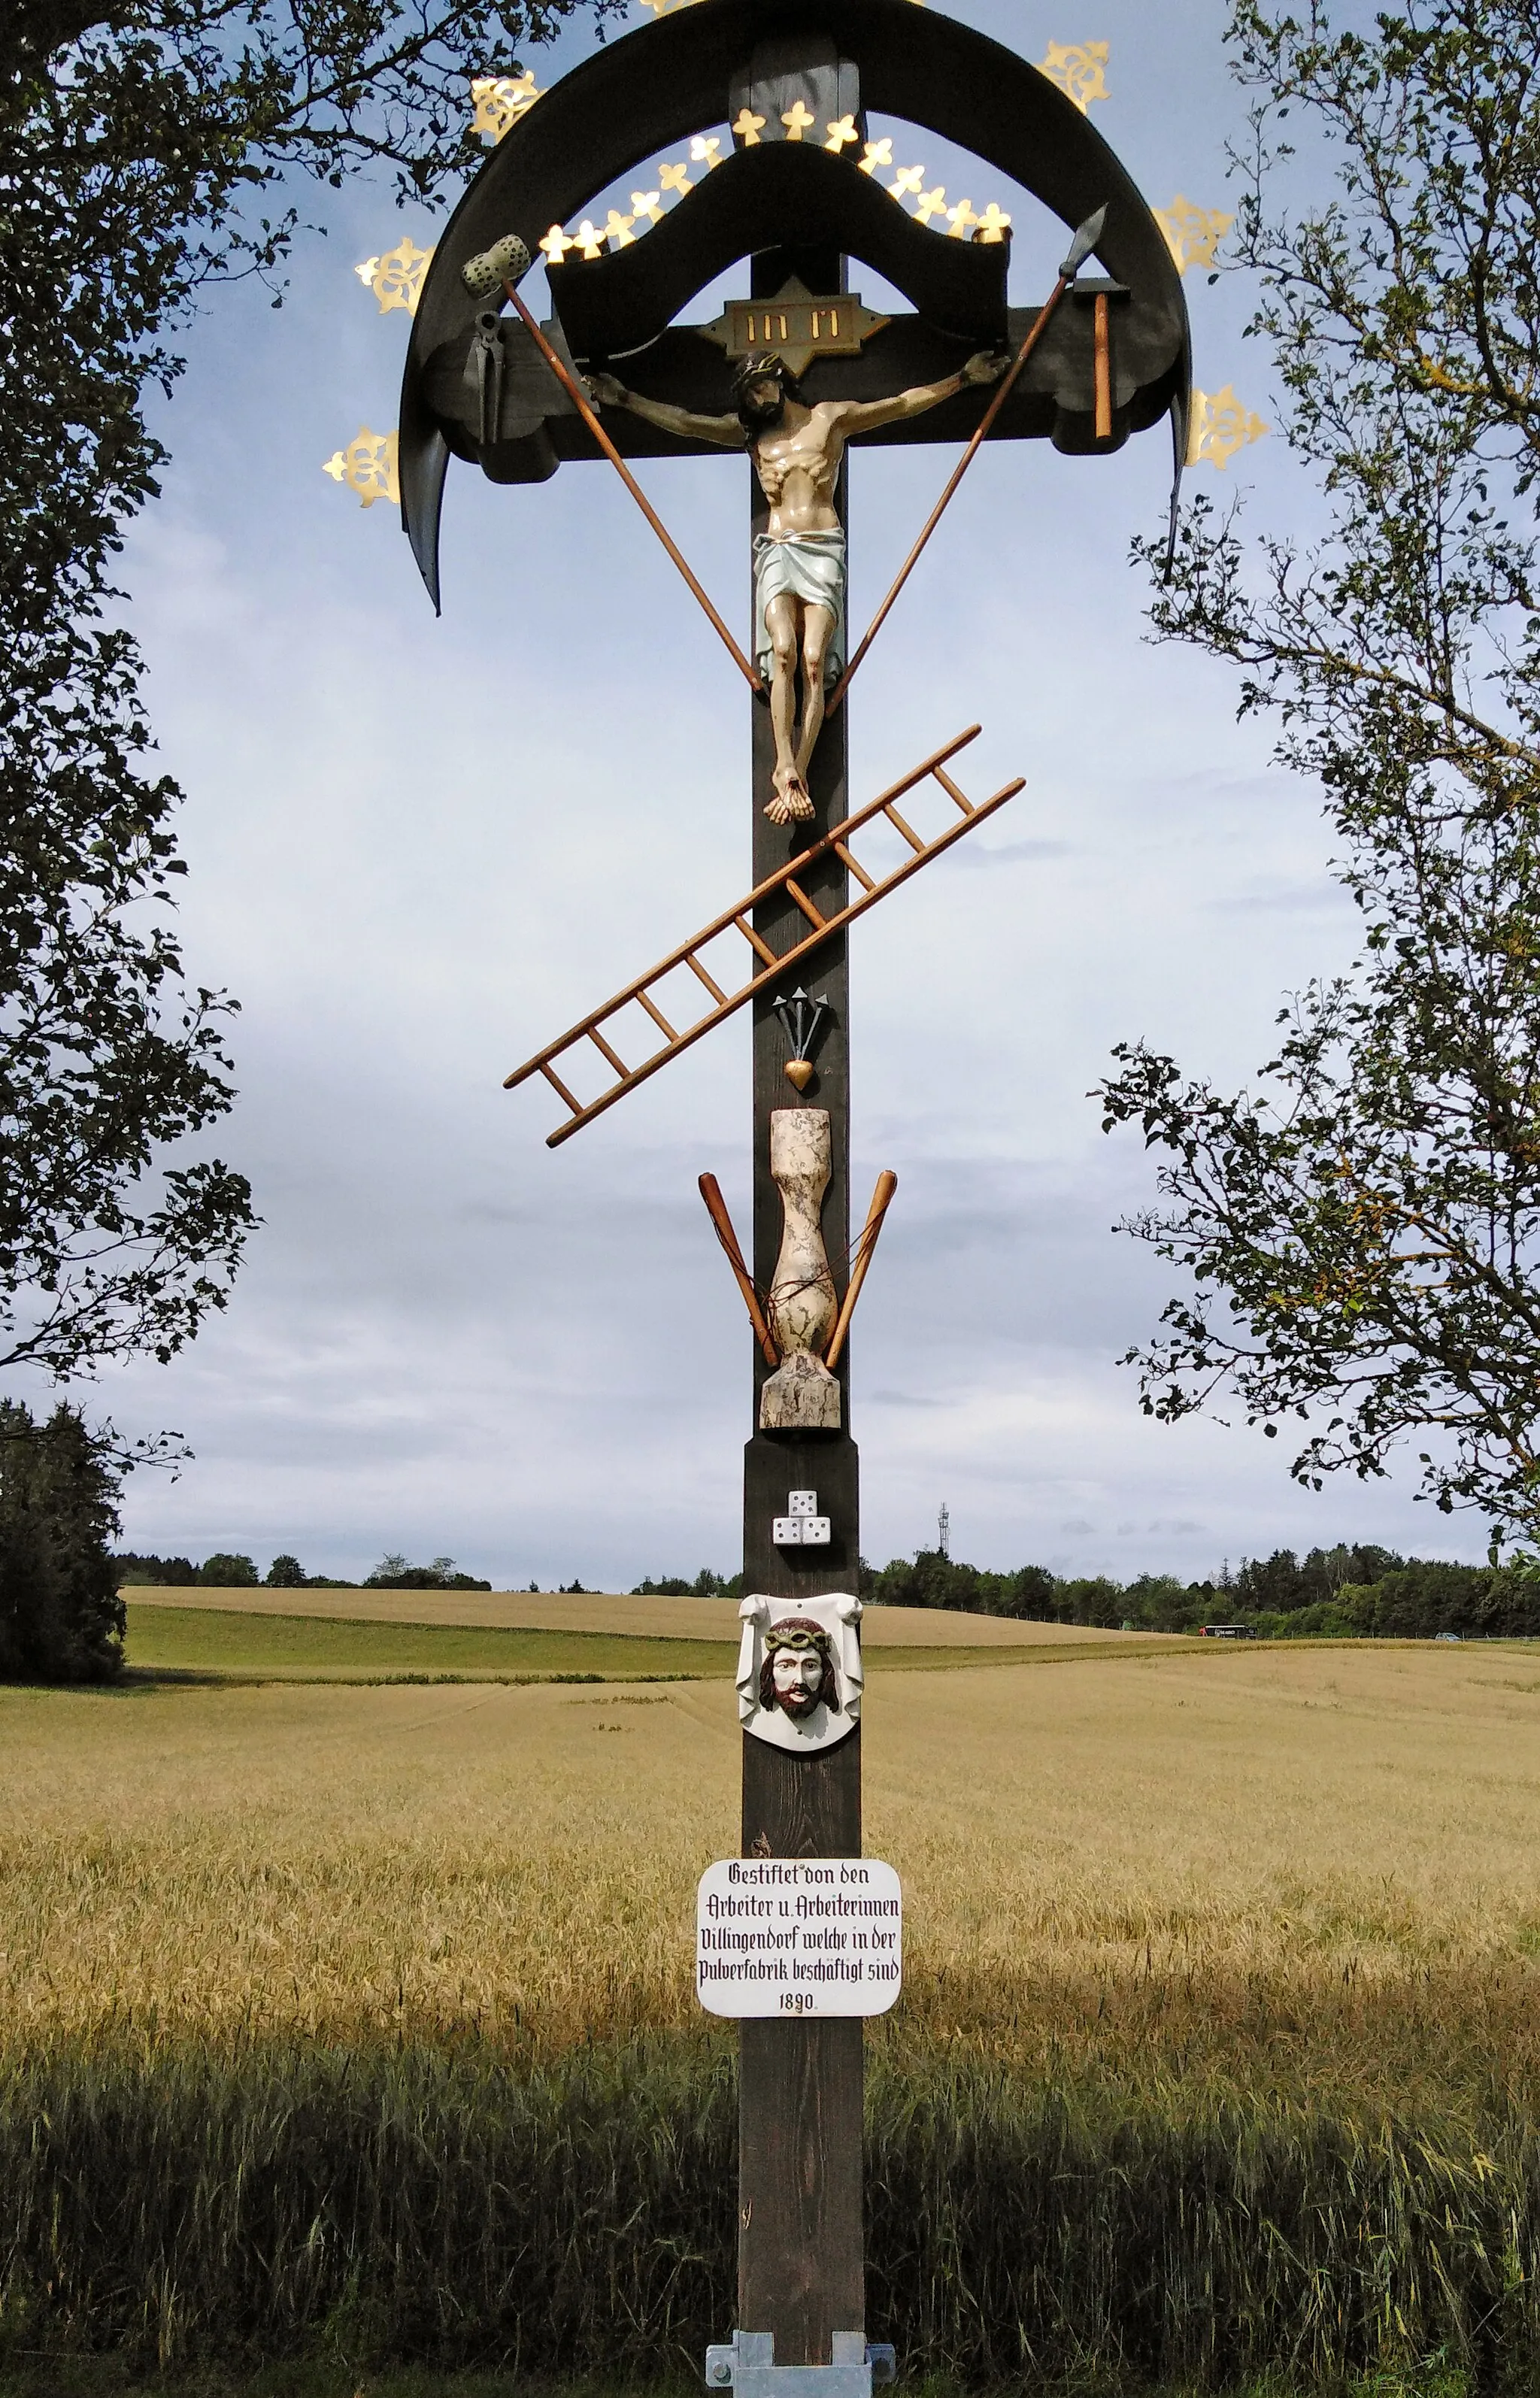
797	1632
763	366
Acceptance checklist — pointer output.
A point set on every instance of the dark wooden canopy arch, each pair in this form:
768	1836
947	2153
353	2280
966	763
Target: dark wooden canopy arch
655	89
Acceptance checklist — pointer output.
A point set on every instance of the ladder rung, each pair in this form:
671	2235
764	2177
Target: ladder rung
766	952
951	791
714	988
658	1018
561	1091
857	868
770	966
605	1051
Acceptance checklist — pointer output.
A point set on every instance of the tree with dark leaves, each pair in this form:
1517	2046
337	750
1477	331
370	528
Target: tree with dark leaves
1362	1231
148	149
60	1617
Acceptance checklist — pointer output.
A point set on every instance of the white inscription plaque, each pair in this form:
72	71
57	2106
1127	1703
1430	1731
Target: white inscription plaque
799	1936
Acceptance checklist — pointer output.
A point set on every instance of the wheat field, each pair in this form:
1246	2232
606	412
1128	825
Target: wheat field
1302	1872
354	2025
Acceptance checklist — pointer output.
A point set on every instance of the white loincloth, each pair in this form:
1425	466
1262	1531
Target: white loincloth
811	566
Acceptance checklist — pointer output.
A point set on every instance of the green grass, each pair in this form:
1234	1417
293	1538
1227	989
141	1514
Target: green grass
316	1649
376	2207
307	1648
109	2377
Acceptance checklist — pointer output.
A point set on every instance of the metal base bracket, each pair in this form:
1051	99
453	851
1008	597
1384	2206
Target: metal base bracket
746	2366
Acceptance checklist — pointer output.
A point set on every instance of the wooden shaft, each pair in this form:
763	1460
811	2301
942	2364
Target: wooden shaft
580	401
887	1185
716	1207
735	915
1104	351
1002	394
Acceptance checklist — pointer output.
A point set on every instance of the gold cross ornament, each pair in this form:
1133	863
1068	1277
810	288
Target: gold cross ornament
931	203
796	120
877	153
747	127
675	178
555	244
840	134
993	225
961	219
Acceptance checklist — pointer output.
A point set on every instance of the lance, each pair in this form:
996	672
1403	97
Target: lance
1080	249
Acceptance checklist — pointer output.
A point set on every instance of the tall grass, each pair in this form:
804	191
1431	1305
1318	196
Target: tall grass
358	2024
451	2207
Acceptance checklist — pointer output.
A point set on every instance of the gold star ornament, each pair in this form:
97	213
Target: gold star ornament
366	467
498	102
1192	234
1079	67
1220	426
396	279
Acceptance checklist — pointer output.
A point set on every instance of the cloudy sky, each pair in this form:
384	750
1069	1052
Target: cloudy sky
419	849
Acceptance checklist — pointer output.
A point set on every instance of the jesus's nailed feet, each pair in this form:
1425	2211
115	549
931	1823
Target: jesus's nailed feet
790	804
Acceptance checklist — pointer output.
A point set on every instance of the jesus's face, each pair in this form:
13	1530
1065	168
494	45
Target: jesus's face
795	1675
763	405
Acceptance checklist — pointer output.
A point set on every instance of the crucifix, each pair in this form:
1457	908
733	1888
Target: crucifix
801	375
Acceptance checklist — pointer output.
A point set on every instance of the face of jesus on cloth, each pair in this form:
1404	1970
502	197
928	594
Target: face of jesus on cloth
796	1675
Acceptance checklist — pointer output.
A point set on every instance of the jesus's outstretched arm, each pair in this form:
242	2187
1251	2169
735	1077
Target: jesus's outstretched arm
726	431
864	416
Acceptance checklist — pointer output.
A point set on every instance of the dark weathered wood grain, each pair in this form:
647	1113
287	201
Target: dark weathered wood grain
801	2238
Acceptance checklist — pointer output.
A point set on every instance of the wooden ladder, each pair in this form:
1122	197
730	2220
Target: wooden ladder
767	966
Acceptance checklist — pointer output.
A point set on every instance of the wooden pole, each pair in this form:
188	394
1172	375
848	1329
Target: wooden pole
1001	392
583	406
716	1207
800	2233
860	1258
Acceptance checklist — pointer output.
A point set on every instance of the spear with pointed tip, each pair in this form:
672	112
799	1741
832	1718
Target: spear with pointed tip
1080	249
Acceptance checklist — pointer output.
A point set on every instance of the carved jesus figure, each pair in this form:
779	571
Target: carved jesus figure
800	559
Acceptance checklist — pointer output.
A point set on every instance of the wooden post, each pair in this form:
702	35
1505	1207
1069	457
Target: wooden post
800	2233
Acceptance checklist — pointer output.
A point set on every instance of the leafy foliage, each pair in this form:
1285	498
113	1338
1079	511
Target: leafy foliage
1363	1231
60	1617
141	141
395	1573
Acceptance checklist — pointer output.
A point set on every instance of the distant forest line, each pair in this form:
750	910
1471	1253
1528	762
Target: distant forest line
1337	1593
